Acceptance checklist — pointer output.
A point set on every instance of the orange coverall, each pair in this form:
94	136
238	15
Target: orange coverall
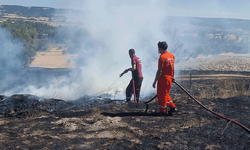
166	63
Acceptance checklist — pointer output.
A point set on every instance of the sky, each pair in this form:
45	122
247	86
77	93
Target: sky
193	8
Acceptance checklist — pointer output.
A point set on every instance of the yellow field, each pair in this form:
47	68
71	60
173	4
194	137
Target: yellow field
53	58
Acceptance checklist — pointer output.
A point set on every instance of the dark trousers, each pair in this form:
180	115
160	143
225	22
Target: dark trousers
130	90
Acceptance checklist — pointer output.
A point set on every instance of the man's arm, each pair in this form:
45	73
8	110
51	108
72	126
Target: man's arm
157	76
129	69
132	69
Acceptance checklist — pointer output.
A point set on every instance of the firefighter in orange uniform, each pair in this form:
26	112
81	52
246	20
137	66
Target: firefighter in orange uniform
164	78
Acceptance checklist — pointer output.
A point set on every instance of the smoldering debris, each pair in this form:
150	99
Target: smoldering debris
19	105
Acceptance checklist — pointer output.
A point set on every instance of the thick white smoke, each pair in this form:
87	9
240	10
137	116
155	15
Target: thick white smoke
10	60
10	51
114	27
118	26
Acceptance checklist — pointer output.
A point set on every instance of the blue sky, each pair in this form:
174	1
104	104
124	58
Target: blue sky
194	8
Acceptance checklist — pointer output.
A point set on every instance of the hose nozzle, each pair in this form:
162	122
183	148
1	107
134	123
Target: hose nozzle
122	73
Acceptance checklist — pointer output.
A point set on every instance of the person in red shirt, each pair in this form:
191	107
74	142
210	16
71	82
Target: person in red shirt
136	77
164	78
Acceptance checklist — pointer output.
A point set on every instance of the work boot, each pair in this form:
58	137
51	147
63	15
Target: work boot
170	112
173	109
127	100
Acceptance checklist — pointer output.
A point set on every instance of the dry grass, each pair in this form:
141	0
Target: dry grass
54	58
216	86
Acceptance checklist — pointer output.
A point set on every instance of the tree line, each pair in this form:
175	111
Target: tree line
33	35
37	36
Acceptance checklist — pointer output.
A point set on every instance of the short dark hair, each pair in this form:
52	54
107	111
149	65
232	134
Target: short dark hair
163	45
131	51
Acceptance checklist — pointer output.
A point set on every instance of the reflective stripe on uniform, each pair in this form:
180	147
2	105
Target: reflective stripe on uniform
170	102
162	106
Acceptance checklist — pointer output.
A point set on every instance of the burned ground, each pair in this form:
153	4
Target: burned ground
126	126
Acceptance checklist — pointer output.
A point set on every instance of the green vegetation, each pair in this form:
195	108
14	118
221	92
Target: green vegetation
199	36
35	36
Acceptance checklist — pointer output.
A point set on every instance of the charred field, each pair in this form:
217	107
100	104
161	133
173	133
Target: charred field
112	125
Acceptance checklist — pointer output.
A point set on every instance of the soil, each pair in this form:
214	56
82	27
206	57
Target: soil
127	126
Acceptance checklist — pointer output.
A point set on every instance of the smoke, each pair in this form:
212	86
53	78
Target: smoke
114	27
10	50
10	60
101	34
110	29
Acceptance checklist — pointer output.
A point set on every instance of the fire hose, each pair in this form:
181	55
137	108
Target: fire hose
244	127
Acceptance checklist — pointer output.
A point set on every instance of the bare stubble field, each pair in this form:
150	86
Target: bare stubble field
126	126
